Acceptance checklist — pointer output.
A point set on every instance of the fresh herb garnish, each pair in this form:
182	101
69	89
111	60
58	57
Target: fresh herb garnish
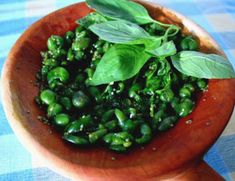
121	9
201	65
123	32
121	62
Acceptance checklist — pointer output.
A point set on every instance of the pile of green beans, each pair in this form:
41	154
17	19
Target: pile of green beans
121	114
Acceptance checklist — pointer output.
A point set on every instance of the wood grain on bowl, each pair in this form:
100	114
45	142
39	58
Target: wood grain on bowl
176	154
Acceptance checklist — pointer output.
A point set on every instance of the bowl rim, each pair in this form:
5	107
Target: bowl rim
24	137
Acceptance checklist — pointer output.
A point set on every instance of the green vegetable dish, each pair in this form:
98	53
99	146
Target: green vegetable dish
121	77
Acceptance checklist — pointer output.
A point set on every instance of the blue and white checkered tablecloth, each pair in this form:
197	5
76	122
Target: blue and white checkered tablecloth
216	16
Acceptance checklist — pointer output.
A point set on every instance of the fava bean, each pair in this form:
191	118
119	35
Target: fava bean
54	109
80	100
77	140
96	135
79	125
47	96
185	107
61	120
58	73
184	92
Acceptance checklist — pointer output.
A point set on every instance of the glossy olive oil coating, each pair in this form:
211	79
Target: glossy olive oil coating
120	114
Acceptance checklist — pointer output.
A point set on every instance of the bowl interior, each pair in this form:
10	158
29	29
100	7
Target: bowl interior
183	143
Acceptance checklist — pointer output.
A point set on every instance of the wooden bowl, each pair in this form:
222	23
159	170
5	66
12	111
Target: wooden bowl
176	154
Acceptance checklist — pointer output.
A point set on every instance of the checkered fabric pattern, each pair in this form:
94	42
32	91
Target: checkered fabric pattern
216	16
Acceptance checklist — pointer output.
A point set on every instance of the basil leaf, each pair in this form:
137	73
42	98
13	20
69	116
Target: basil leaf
90	19
123	32
119	63
166	50
203	65
121	9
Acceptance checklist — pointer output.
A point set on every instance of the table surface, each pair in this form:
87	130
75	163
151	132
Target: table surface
216	16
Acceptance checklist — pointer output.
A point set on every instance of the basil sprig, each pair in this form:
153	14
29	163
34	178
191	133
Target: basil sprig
202	65
118	21
124	32
121	9
121	62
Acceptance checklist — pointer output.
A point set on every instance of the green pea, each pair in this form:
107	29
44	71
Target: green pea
55	42
167	123
70	55
47	96
66	103
202	85
146	132
80	100
54	109
184	92
77	140
69	36
185	107
167	95
61	120
79	125
81	44
189	43
58	73
96	135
